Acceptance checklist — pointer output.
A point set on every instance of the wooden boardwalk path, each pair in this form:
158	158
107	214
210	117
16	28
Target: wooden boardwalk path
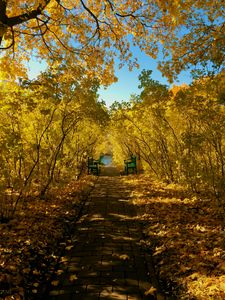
107	260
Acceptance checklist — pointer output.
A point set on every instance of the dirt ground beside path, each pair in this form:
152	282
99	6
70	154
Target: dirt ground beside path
185	234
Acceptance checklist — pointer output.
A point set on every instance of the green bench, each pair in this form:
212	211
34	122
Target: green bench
130	165
93	166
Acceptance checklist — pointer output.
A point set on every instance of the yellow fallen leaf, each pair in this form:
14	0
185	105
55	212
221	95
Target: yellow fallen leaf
221	266
59	272
69	248
151	291
124	256
194	276
73	277
55	282
26	270
36	284
64	259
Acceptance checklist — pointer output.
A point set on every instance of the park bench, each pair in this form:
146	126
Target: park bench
93	166
130	165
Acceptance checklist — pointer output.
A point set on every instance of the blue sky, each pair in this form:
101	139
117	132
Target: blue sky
127	81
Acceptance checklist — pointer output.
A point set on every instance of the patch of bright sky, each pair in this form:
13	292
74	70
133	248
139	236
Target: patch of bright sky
35	68
127	83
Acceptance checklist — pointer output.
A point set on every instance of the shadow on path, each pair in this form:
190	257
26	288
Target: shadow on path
109	171
106	261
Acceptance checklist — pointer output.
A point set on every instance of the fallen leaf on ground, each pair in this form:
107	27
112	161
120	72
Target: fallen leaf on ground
73	277
151	291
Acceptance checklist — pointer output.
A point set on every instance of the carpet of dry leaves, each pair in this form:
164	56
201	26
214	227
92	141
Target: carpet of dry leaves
186	237
32	243
183	232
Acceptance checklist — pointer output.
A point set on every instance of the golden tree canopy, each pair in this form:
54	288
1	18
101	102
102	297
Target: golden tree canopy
94	32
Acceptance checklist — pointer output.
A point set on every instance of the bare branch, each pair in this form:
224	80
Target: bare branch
2	11
93	16
58	39
126	15
110	4
43	39
27	16
61	5
34	34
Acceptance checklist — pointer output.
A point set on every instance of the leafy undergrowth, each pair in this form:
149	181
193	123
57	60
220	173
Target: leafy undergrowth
186	238
31	243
